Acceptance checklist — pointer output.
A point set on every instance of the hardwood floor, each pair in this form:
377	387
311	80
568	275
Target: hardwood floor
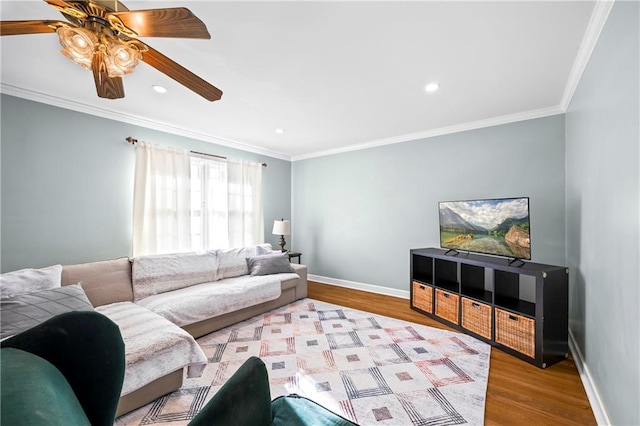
517	393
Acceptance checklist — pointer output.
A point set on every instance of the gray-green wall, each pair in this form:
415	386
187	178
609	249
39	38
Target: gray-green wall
356	215
67	196
67	184
603	214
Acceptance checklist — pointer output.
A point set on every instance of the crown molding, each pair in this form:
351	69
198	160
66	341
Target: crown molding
596	23
490	122
133	119
594	28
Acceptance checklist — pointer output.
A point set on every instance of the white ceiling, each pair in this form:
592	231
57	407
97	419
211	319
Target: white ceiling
335	75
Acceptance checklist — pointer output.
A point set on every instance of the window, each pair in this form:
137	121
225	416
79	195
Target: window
209	203
190	202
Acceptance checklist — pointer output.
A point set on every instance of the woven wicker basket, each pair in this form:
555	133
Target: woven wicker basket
476	317
423	296
516	332
447	305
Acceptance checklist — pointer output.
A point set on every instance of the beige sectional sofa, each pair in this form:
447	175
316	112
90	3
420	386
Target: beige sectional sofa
111	287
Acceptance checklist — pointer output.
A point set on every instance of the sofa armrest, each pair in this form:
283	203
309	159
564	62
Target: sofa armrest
244	400
86	347
301	288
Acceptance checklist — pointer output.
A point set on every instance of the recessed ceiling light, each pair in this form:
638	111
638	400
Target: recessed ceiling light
280	131
159	89
432	87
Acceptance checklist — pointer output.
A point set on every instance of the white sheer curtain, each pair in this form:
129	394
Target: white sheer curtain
161	200
209	206
246	219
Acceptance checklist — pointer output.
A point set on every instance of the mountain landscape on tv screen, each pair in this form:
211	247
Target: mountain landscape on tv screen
499	227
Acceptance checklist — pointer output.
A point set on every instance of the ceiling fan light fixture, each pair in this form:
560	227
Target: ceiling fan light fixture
121	58
101	36
78	44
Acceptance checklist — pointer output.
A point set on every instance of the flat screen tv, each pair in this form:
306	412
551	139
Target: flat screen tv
496	226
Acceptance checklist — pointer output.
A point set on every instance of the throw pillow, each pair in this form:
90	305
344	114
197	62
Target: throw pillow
29	280
269	264
233	262
21	312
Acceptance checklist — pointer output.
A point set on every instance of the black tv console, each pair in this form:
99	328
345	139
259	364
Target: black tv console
522	309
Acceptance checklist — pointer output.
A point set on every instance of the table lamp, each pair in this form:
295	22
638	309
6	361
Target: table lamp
281	227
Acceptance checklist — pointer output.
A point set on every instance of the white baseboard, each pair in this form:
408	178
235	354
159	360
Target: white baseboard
403	294
590	388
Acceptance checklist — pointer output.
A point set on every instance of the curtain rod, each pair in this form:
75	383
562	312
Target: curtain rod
133	141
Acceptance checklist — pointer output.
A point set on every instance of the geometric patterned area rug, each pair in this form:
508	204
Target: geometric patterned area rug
371	369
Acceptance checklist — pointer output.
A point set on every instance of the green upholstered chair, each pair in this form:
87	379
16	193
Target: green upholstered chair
245	400
66	371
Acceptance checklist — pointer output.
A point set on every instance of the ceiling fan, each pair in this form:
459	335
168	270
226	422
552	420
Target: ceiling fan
102	36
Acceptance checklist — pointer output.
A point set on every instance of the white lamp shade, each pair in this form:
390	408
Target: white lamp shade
281	227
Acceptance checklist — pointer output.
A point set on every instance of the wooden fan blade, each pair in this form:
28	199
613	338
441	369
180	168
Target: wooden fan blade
67	8
181	74
58	3
107	87
28	27
176	22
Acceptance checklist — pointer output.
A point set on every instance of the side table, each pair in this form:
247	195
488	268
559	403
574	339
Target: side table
293	254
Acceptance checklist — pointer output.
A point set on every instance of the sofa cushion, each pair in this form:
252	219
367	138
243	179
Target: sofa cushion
156	274
208	300
38	392
268	264
29	280
105	282
154	347
24	311
233	262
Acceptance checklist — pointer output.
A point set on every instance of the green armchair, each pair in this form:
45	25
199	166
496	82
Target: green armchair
245	400
66	371
69	371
